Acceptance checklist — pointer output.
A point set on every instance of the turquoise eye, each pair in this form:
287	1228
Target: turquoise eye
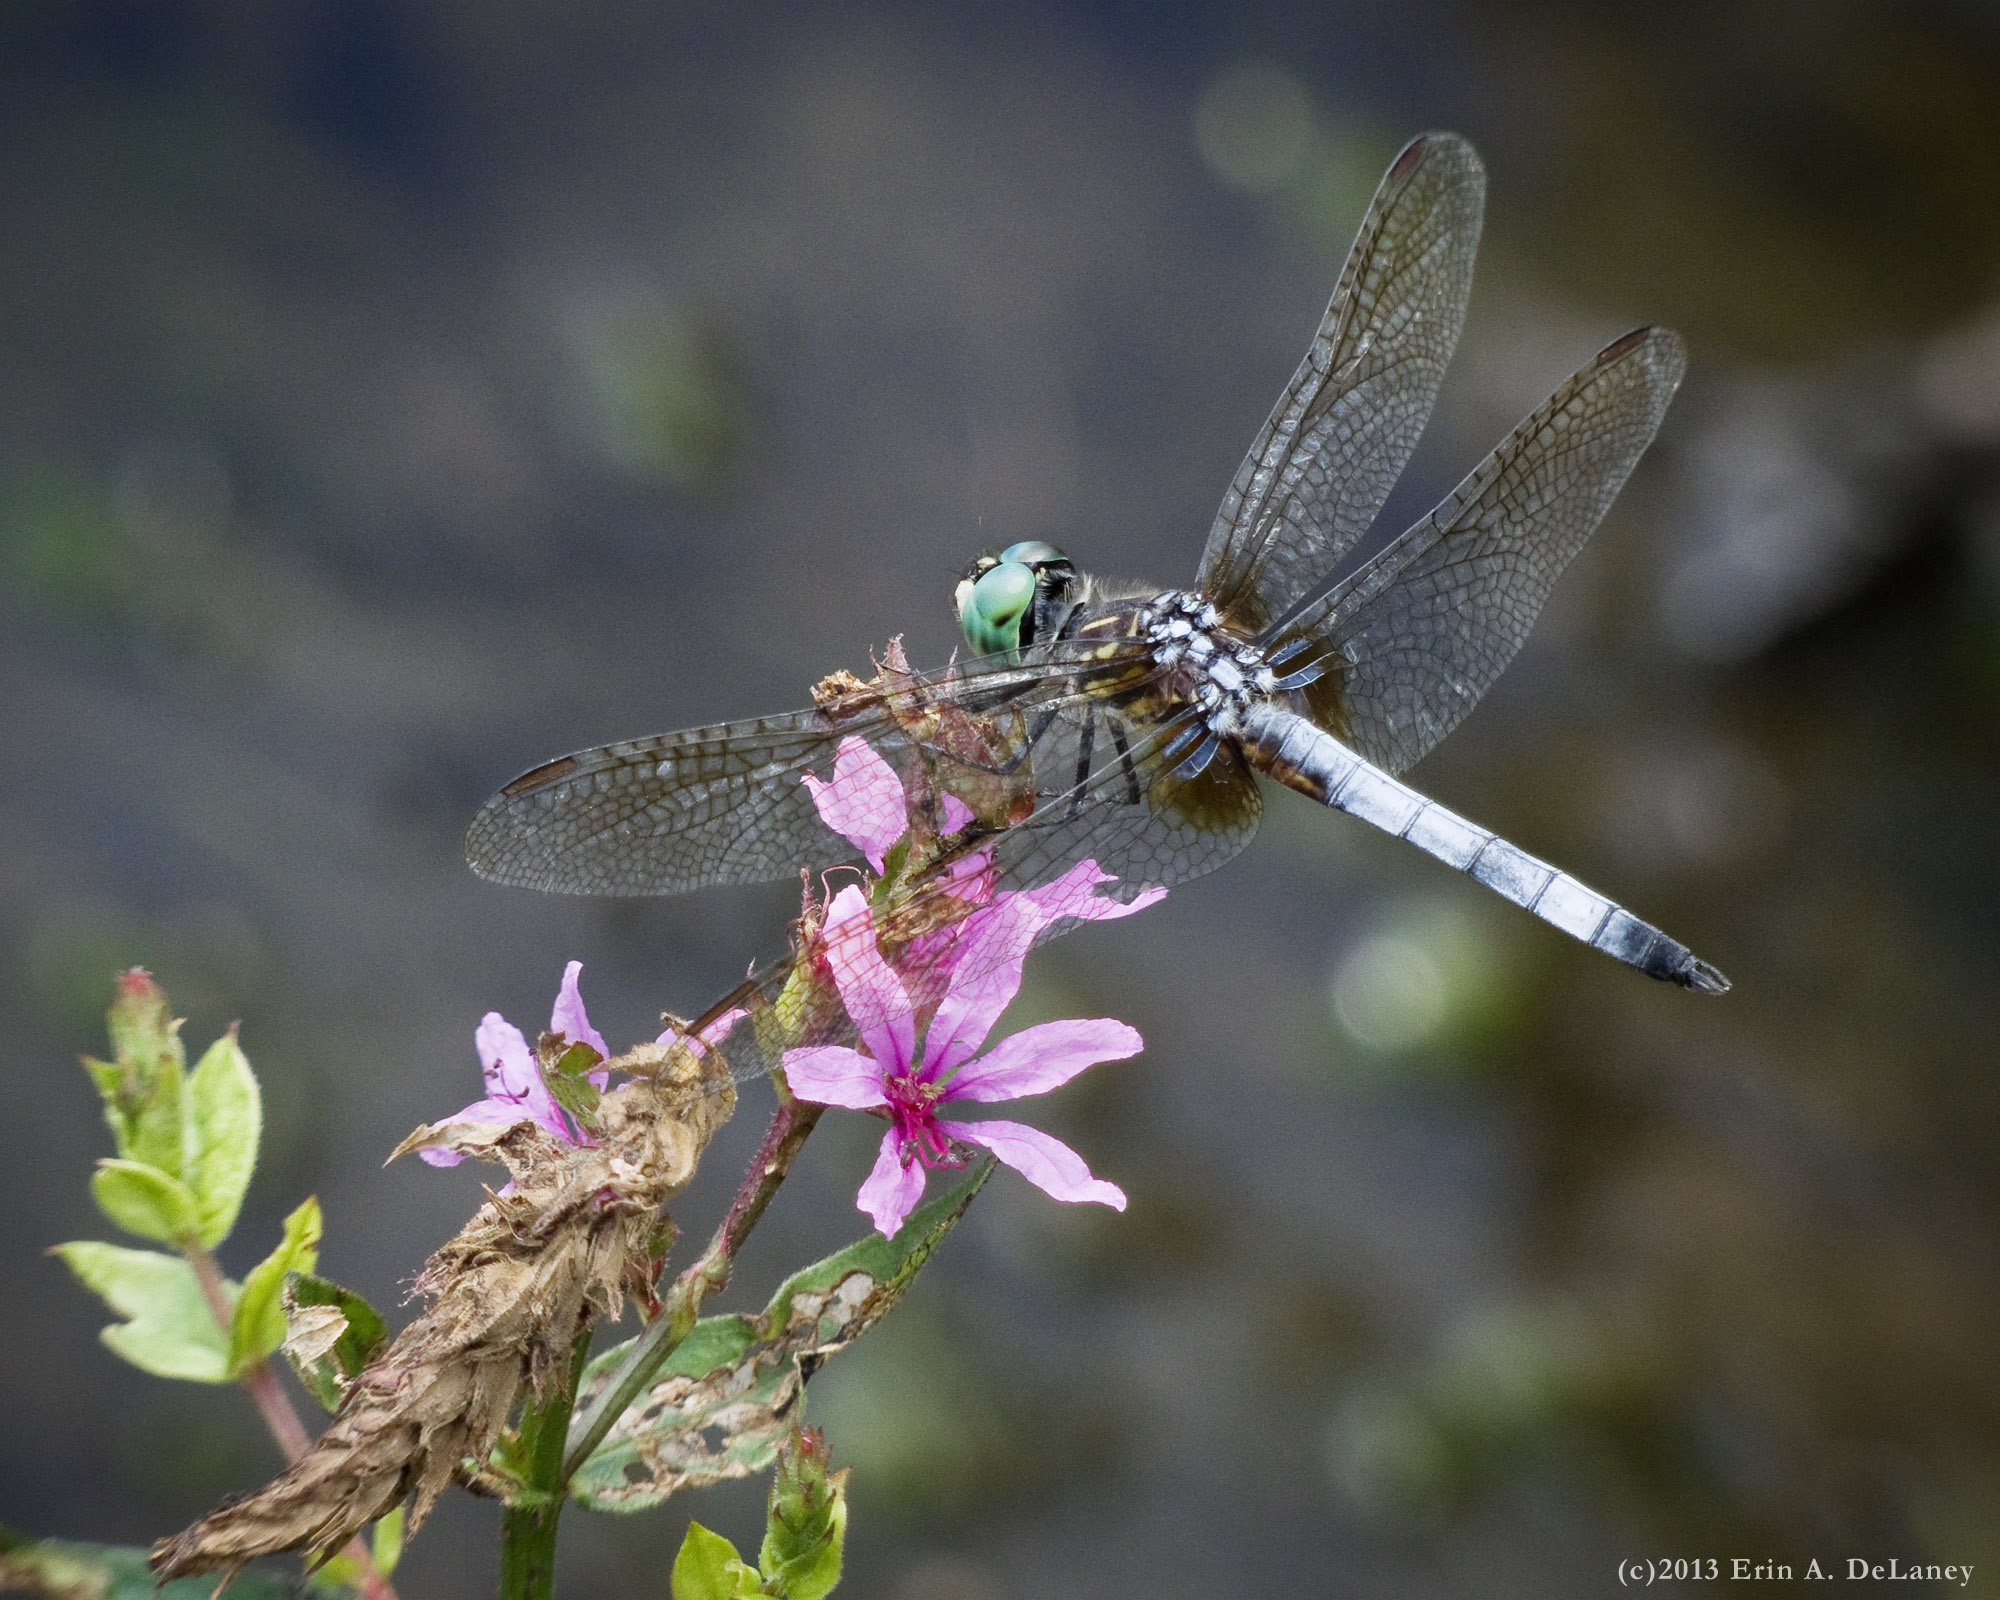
1033	553
992	612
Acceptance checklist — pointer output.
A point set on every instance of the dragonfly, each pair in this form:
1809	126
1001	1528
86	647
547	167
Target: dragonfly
1127	724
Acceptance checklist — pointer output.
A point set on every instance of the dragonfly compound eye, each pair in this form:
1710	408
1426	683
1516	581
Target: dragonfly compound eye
1034	553
992	608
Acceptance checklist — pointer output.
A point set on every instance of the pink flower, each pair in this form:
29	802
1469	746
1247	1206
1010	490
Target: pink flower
865	804
891	1073
515	1091
864	801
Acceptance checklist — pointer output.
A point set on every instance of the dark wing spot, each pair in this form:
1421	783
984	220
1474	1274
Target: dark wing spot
548	772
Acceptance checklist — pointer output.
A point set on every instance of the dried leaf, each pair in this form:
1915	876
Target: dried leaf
508	1296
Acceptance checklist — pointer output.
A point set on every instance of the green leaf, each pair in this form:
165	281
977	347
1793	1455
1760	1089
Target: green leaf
225	1120
331	1333
170	1331
733	1388
339	1573
63	1570
897	858
143	1028
708	1568
258	1327
144	1200
566	1074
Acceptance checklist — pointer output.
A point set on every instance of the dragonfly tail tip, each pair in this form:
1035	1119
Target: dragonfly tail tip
1699	976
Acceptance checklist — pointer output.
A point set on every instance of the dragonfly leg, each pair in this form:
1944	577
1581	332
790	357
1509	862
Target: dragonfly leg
1197	763
1134	790
1037	731
1085	743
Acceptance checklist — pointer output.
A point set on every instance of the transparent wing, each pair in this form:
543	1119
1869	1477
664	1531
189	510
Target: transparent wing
1342	431
727	804
1418	634
660	815
1131	808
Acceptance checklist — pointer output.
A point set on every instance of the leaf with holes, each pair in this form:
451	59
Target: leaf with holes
731	1390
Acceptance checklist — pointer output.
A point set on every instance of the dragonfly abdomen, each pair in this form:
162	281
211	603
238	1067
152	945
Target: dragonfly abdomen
1295	752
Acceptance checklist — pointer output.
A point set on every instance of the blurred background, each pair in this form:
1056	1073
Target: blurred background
393	396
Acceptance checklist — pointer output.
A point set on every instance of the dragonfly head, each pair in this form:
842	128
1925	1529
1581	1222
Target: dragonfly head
1016	599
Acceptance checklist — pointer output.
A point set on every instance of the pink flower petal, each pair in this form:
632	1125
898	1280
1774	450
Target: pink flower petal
505	1060
891	1191
956	813
497	1115
982	955
1045	1161
864	801
709	1037
874	996
568	1017
512	1080
833	1075
1074	894
985	976
1037	1059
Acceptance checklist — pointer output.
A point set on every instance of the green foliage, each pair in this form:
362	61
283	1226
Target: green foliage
565	1070
187	1145
708	1568
187	1142
142	1199
732	1389
258	1327
805	1529
225	1122
385	1542
170	1330
804	1536
331	1333
141	1085
814	1571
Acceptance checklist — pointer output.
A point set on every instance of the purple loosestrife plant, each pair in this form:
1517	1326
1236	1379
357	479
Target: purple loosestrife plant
886	1005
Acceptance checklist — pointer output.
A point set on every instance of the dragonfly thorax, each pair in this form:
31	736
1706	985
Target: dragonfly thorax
1219	672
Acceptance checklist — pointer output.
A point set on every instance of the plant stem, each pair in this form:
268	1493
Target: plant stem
275	1406
790	1124
528	1527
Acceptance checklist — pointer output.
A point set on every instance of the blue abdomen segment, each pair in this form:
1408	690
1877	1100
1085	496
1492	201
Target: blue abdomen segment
1311	760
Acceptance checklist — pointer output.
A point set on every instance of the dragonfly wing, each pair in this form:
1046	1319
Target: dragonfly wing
1418	634
663	814
727	804
1139	814
1342	431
